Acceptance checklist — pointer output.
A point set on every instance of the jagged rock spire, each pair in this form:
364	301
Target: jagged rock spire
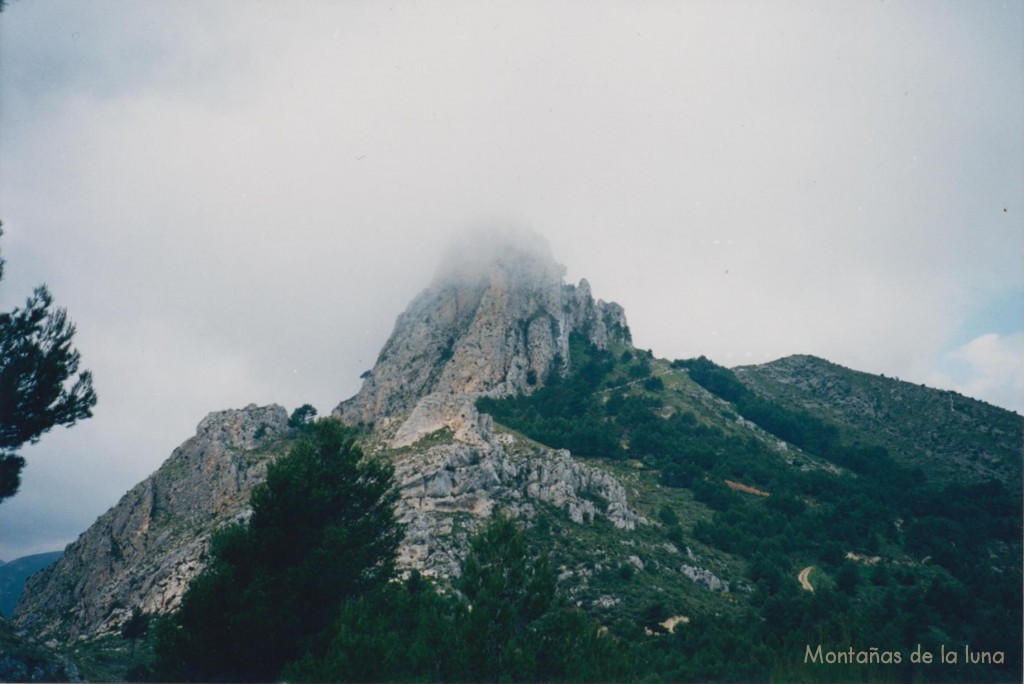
496	320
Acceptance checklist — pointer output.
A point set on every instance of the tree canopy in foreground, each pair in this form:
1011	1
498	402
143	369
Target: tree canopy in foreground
40	384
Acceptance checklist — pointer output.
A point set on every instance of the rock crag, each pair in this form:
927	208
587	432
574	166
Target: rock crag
145	550
495	321
458	485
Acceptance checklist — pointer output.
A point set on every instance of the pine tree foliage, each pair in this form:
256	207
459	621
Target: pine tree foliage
506	622
322	532
40	384
517	627
507	595
399	633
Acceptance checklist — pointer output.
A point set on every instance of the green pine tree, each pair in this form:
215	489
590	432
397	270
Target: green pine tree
517	627
322	532
40	384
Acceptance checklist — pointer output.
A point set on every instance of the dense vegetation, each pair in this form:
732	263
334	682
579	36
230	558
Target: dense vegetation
950	436
322	532
918	579
307	591
506	623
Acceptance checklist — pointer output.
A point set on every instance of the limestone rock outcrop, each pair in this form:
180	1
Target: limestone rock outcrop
145	550
495	321
704	577
458	485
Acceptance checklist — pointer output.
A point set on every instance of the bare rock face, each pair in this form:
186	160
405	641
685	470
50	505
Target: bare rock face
704	577
449	489
496	321
145	550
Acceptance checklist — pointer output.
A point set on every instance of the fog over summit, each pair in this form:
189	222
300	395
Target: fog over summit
235	201
496	320
477	253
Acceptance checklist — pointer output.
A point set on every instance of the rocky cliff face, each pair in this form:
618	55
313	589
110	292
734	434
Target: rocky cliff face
495	321
449	488
144	550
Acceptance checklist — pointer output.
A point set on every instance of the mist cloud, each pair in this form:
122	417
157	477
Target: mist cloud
235	200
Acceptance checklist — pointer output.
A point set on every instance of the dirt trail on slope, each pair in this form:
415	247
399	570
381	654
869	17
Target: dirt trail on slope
633	383
740	487
803	578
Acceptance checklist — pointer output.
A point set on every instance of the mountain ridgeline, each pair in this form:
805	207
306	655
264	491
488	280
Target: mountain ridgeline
694	522
494	322
14	574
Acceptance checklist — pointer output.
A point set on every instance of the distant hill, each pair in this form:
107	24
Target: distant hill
14	574
751	513
950	436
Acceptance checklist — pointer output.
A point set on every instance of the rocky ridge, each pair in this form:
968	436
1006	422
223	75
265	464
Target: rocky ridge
954	437
448	488
496	322
145	550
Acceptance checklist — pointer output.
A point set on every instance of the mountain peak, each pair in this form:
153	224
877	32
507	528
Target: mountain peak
495	321
479	255
147	548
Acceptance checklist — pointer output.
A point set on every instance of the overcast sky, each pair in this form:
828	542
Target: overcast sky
235	200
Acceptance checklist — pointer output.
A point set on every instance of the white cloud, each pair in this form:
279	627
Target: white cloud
234	200
989	367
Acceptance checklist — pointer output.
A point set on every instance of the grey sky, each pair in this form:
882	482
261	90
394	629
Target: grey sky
235	200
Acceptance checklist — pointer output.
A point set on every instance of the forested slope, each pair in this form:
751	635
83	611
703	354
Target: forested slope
903	554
